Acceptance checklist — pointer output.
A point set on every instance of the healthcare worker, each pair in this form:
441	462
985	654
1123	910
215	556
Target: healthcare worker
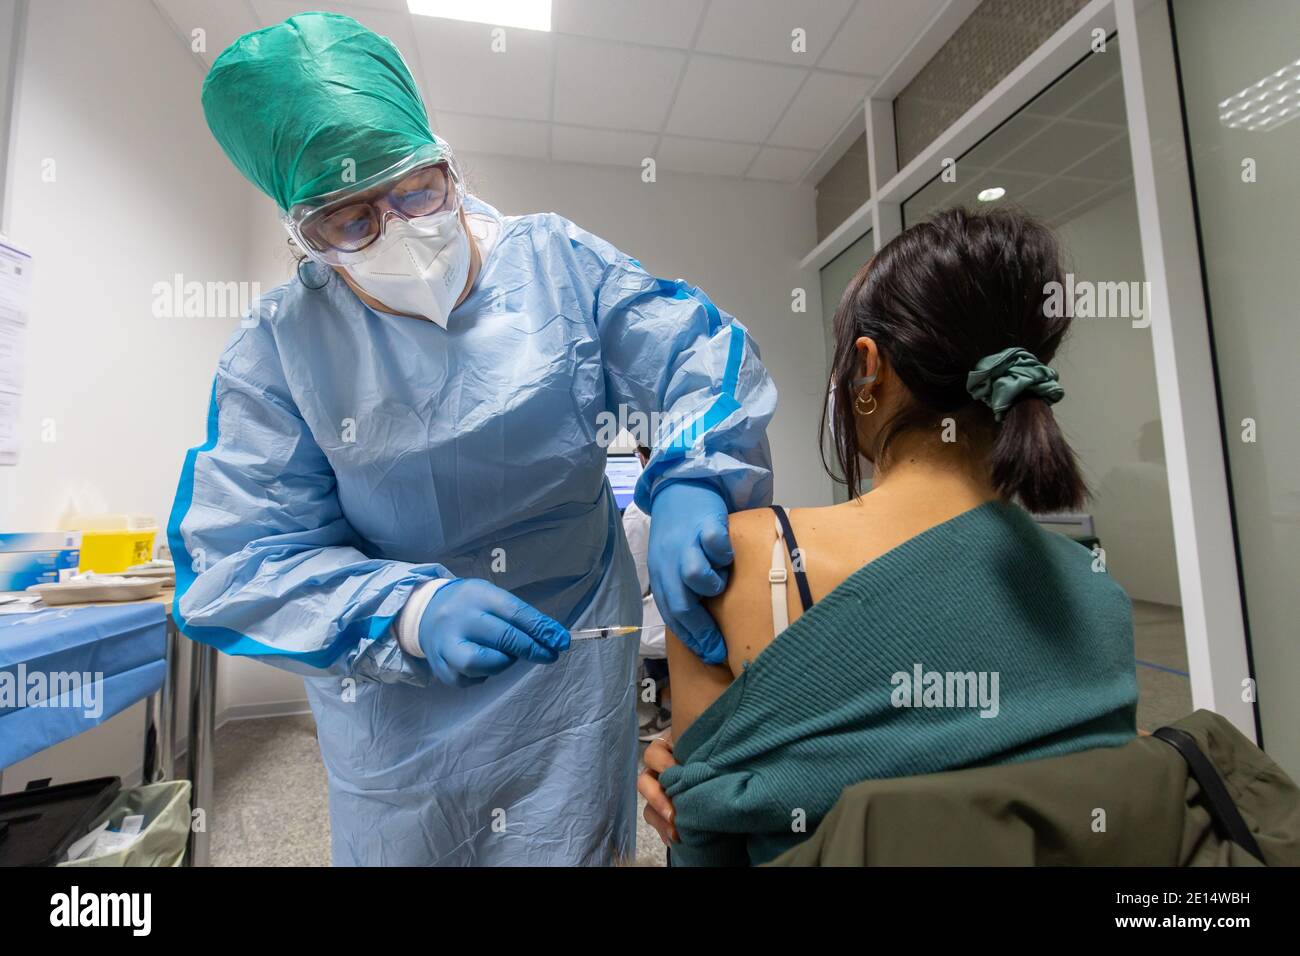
402	491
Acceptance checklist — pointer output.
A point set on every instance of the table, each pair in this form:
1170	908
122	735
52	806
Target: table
160	722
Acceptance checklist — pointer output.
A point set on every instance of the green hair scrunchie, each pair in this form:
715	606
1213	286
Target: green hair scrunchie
1000	380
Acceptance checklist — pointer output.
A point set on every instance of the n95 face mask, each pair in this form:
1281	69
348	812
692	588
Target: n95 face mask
418	267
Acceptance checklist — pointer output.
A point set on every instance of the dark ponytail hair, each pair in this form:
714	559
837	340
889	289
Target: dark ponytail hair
937	299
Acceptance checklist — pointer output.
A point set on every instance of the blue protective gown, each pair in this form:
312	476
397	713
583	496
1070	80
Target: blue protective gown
352	455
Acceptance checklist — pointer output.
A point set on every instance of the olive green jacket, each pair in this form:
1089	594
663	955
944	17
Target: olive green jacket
1134	805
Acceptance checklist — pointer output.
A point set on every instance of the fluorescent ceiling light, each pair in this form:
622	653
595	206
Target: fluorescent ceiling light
525	14
991	194
1266	105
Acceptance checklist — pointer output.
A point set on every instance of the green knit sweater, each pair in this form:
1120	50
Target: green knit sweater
984	640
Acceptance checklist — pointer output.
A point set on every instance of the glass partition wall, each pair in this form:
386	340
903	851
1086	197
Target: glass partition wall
1239	71
1064	158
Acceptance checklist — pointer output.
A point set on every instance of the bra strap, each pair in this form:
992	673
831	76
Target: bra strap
786	533
776	577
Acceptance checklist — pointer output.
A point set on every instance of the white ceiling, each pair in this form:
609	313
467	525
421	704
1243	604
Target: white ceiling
704	86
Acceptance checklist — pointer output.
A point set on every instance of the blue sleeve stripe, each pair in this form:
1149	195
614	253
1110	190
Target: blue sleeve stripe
180	508
679	290
722	406
224	639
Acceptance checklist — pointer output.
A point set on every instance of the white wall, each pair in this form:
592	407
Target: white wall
1111	414
140	192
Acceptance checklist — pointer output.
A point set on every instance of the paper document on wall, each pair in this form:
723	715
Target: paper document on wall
15	295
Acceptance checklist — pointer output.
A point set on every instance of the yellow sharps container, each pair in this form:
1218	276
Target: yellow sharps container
111	543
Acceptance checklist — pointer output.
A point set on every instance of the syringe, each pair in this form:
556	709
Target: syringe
600	633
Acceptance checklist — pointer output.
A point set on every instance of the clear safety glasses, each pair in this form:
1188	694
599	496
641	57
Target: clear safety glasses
343	227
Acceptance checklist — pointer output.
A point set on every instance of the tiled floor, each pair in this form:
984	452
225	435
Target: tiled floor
271	806
1164	690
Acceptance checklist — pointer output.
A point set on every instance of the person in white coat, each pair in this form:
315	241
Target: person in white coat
655	717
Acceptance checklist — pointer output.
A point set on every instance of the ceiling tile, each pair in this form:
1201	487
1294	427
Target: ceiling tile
704	156
634	90
222	24
876	34
783	165
1081	81
1005	139
1058	147
1056	196
399	6
612	67
660	23
601	146
820	110
731	99
1078	209
970	182
394	25
761	29
1112	163
1104	106
501	137
465	75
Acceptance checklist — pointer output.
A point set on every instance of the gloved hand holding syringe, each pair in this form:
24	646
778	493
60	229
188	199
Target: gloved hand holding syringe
472	629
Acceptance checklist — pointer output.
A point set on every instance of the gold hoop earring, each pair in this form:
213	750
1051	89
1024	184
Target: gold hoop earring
858	405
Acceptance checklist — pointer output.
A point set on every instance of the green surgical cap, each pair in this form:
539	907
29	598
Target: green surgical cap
291	105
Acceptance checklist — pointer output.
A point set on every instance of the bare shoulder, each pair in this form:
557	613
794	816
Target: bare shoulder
751	529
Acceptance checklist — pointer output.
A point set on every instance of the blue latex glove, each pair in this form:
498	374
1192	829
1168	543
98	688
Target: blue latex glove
472	630
687	558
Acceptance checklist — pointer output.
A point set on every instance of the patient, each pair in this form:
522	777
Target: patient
930	623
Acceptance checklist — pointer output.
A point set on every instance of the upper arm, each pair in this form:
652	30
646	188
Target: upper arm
744	610
741	612
260	471
695	684
693	372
